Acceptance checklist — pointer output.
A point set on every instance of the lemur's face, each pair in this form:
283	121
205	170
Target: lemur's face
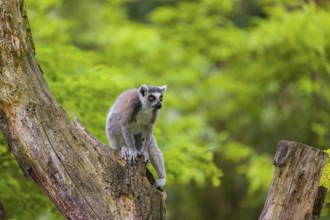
152	96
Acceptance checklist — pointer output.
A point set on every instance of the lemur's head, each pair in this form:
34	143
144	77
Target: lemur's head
152	96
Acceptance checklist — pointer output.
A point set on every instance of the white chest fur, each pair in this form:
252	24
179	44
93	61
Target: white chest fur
141	121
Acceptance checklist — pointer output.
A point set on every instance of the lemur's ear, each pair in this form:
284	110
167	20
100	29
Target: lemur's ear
143	89
163	88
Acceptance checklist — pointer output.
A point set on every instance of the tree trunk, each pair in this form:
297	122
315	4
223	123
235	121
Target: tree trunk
82	177
294	192
2	212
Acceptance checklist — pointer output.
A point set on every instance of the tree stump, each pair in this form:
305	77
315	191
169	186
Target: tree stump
294	188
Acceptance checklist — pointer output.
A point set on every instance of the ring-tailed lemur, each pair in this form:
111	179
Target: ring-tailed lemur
130	124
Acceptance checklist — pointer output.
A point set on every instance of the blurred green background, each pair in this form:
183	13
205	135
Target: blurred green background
241	75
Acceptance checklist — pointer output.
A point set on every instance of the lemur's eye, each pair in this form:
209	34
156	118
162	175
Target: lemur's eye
161	98
151	98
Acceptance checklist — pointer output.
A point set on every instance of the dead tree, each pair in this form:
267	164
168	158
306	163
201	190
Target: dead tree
80	175
294	193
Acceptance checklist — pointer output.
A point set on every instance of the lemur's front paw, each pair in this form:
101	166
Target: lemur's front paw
129	154
145	155
160	183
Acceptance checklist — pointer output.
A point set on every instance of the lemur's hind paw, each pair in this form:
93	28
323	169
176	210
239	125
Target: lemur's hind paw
160	183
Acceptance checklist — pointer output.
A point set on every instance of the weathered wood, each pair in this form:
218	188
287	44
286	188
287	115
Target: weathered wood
81	176
295	183
319	201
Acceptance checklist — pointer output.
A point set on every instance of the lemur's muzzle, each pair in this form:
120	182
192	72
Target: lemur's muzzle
158	105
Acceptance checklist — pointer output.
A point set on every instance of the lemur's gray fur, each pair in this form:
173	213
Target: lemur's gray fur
130	124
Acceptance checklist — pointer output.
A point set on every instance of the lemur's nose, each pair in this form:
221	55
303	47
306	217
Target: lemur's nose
158	105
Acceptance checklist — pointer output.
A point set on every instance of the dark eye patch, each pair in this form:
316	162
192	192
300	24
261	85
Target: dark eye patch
151	98
161	98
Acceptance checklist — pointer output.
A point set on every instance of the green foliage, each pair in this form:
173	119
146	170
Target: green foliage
256	168
325	178
241	75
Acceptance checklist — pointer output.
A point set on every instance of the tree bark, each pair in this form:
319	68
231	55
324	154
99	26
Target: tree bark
82	177
294	192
